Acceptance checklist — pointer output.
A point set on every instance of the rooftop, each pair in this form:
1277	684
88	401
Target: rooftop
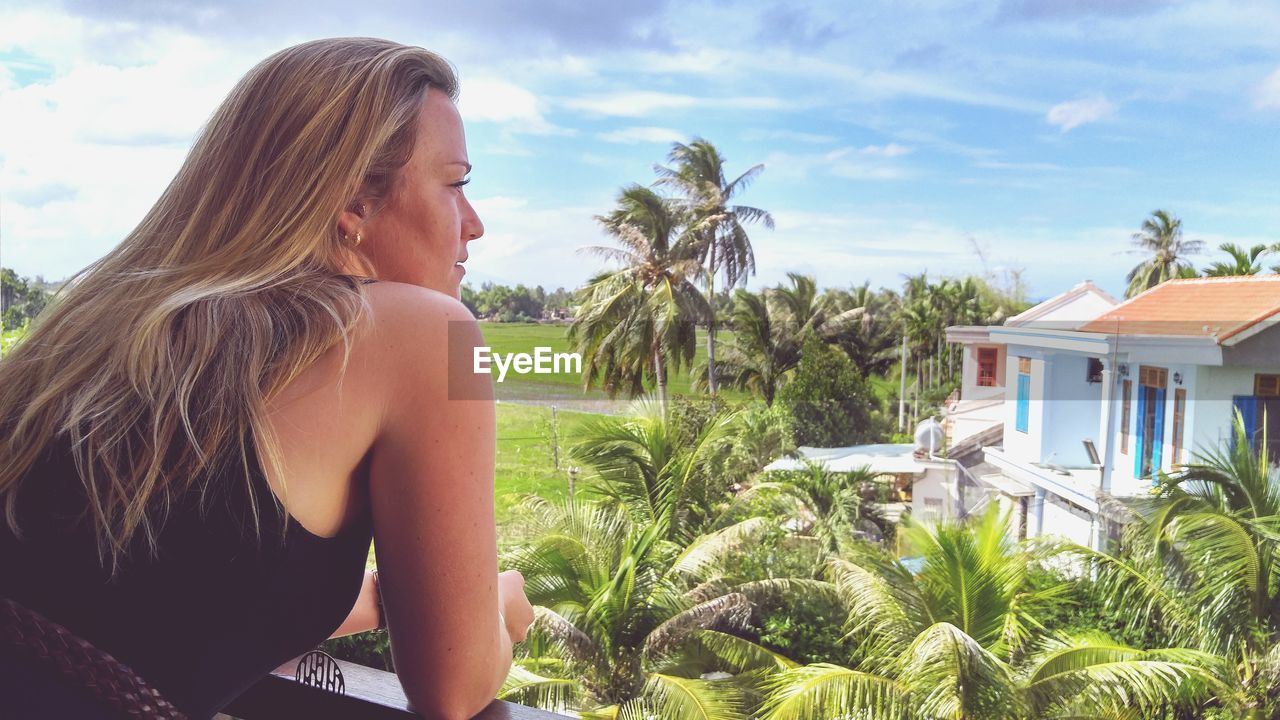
1224	308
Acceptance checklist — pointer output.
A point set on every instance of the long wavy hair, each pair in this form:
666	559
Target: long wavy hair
159	360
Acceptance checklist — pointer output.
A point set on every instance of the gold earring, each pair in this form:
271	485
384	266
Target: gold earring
358	239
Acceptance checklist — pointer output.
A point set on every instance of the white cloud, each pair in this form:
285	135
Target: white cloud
1267	92
641	103
633	135
517	109
890	150
868	163
1074	113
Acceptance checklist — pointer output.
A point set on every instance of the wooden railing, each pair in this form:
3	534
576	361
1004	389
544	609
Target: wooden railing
370	694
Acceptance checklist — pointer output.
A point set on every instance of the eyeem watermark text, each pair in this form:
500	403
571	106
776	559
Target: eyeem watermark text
542	362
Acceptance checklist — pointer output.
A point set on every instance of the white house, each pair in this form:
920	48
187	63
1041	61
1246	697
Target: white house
1094	411
983	367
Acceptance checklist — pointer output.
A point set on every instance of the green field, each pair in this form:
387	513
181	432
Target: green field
526	462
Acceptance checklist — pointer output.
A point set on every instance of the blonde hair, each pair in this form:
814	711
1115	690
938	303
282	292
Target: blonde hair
159	360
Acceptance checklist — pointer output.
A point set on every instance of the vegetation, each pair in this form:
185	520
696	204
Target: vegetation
501	303
714	229
21	299
1161	241
1200	567
636	321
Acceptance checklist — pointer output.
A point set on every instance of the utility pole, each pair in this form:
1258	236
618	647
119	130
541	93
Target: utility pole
902	386
555	439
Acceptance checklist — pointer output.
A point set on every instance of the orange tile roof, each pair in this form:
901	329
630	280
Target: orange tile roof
1217	307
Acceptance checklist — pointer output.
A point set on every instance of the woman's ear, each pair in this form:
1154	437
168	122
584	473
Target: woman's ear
351	220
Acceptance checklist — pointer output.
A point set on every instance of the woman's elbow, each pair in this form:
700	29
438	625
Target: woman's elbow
449	706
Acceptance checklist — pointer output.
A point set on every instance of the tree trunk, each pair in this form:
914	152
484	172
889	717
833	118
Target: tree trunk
711	324
660	371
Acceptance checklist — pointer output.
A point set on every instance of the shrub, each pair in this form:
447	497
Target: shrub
828	399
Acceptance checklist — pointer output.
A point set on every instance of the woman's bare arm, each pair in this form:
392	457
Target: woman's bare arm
431	488
364	614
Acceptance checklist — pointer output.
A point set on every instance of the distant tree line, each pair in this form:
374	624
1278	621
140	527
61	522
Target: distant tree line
21	298
517	304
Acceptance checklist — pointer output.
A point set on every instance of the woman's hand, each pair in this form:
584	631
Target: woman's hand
516	610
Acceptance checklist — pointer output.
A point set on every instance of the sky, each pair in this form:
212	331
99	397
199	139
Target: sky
897	137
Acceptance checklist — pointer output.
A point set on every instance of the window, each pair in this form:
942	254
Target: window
1126	395
987	361
1093	371
932	508
1179	410
1266	385
1022	420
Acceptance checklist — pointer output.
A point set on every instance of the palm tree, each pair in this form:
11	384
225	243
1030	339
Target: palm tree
960	639
1160	239
640	320
1242	262
769	330
836	506
716	225
638	463
1201	567
872	342
627	622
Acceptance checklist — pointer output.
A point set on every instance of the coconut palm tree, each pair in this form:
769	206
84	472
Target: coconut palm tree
1201	566
627	622
768	331
637	463
715	225
836	508
1242	262
1160	239
639	321
960	639
872	342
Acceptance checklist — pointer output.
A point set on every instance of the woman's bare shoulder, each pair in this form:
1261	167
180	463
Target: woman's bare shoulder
415	335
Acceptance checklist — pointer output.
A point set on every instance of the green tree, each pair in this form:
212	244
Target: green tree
628	621
828	398
646	464
1242	261
1161	241
639	321
768	331
715	228
836	508
1200	565
959	639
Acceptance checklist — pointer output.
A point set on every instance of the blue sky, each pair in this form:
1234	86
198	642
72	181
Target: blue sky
898	137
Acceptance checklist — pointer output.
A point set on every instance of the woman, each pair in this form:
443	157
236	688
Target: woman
202	435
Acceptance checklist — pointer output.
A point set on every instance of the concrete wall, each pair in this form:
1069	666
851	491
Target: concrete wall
1024	446
969	388
935	484
1073	411
1073	314
1061	519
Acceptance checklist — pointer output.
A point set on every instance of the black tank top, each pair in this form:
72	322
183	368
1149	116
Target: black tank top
217	610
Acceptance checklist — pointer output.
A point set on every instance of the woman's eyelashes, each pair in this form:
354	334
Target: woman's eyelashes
460	183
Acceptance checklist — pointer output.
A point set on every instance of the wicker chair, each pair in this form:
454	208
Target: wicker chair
46	671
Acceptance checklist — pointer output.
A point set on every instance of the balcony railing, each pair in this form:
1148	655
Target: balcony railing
370	694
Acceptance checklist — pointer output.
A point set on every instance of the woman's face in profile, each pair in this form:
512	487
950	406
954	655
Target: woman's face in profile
420	235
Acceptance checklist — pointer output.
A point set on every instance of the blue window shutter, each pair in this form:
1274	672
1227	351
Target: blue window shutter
1157	440
1248	407
1024	403
1139	436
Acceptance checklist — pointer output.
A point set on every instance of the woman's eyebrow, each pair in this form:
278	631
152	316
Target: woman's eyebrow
460	162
